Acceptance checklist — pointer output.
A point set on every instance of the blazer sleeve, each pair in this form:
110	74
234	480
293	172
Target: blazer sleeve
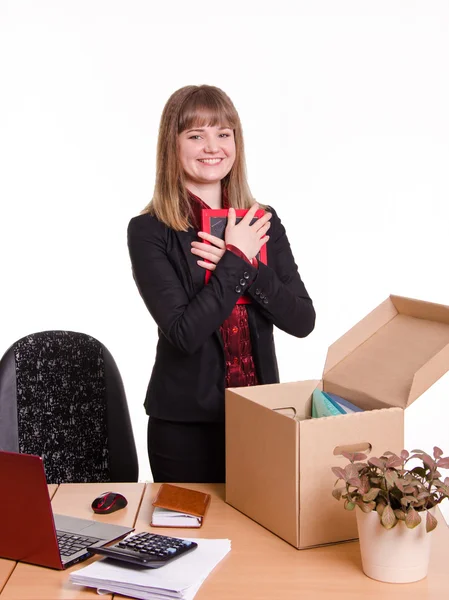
185	322
278	290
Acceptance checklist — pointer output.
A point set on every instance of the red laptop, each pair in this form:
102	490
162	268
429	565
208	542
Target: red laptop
30	532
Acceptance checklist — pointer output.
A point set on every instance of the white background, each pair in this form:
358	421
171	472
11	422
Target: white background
344	107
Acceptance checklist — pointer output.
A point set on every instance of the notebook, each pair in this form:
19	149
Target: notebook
29	529
330	405
214	221
346	406
176	506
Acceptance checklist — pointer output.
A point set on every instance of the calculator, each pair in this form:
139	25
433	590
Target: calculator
150	550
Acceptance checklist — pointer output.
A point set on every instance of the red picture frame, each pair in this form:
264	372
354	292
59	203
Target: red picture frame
214	222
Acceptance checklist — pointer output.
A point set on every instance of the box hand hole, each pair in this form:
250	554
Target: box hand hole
352	448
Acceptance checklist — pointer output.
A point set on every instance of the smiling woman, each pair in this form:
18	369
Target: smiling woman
206	156
207	340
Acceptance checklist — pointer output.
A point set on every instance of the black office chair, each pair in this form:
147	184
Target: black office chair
62	398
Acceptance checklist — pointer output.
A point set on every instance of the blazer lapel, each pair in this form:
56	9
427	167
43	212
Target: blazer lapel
197	273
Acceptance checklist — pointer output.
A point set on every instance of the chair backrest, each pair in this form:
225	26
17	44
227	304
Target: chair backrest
62	398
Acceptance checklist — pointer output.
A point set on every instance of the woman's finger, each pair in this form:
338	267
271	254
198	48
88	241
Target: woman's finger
250	214
206	265
213	239
263	230
231	218
262	221
206	255
208	248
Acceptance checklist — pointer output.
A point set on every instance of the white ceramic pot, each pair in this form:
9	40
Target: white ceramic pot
398	555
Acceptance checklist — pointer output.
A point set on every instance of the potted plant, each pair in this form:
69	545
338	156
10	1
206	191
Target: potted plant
397	503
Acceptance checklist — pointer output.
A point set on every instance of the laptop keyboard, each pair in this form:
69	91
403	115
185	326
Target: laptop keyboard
70	543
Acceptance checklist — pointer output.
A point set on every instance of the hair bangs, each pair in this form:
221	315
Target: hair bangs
205	108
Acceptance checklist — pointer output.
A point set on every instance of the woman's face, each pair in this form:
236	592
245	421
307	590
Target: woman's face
206	154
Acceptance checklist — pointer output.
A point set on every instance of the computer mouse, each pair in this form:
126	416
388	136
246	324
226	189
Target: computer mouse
109	502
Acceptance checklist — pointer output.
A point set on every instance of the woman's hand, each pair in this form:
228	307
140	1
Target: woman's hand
212	252
246	237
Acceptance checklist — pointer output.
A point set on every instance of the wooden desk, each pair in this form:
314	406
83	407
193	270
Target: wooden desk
260	565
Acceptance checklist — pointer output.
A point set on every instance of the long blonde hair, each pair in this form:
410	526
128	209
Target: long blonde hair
194	106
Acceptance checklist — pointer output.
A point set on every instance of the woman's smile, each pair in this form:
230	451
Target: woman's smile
210	161
206	154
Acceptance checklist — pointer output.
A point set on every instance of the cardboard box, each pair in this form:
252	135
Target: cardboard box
278	468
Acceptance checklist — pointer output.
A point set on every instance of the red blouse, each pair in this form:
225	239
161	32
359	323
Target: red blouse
240	369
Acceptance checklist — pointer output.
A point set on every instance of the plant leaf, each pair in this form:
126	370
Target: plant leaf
376	462
337	492
400	514
437	453
407	500
428	460
391	477
355	481
415	483
412	518
359	456
351	471
365	485
380	508
388	517
360	466
349	505
371	495
394	461
421	471
443	489
423	495
366	507
348	455
339	472
399	484
431	522
443	463
404	454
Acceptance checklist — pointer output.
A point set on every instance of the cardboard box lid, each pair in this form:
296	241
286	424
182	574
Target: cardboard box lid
391	356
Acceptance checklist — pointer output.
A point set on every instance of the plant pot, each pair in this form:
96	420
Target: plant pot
398	555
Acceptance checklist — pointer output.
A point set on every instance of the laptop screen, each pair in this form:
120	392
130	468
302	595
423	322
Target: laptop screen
26	519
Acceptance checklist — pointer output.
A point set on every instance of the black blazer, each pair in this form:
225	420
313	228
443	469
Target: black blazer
188	378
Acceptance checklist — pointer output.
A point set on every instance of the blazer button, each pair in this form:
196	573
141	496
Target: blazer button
242	282
265	300
238	289
246	275
262	296
257	292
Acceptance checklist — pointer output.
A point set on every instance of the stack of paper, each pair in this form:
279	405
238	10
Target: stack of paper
179	579
163	517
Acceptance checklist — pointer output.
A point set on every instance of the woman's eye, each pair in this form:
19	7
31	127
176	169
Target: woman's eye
224	135
195	137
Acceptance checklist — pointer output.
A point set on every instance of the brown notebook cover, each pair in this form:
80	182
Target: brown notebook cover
181	500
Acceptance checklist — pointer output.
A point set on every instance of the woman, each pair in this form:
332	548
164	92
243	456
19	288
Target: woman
206	341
